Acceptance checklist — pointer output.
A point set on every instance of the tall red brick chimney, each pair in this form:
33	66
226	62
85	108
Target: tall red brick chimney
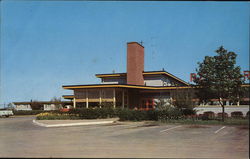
135	63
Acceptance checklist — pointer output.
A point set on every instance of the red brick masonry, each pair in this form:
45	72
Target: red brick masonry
135	63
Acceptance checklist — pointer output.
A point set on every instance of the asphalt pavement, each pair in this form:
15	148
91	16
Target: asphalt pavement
20	137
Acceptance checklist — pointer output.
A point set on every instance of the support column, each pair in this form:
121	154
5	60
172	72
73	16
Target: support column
153	103
87	99
114	98
127	99
122	99
100	98
238	101
74	102
147	102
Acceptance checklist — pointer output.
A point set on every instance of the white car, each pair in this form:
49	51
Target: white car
6	113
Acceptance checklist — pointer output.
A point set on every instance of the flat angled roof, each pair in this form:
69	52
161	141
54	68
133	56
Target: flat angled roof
42	102
144	73
124	86
133	86
111	75
68	96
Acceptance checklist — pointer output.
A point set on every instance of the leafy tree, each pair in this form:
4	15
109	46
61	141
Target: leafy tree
183	99
10	106
35	105
219	78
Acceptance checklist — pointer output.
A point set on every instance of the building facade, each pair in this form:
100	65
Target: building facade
44	105
136	88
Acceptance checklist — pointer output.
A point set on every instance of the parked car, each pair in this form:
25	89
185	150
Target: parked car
6	113
64	110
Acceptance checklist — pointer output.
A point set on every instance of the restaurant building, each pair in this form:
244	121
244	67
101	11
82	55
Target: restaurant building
136	88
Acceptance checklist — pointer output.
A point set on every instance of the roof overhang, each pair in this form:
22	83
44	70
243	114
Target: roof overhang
72	87
144	74
42	102
110	75
166	74
68	96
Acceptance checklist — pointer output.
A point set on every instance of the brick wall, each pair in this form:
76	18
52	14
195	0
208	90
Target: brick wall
135	63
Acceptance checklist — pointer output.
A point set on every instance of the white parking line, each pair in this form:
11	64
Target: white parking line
219	129
170	128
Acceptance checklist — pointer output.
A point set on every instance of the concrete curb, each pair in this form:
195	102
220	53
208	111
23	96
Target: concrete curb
71	124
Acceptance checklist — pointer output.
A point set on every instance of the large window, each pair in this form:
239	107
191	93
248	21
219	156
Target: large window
147	104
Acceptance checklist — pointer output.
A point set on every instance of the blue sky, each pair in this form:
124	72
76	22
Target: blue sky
45	45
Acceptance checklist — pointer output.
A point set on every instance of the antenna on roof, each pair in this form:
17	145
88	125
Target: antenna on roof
141	42
113	71
163	69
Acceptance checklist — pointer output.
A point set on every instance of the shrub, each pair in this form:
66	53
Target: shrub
175	113
139	115
85	113
205	117
152	115
237	114
123	114
55	116
94	113
172	113
107	112
163	114
209	115
220	115
133	115
188	112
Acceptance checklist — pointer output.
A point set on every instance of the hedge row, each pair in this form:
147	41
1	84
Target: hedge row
56	116
123	114
97	113
83	113
139	115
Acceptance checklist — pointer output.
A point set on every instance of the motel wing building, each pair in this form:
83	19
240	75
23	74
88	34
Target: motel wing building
134	89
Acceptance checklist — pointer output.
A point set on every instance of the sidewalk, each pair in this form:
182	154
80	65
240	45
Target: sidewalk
61	123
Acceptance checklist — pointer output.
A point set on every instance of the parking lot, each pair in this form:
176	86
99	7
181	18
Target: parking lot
19	137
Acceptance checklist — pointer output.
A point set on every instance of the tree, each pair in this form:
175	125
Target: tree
183	99
219	78
10	106
35	105
57	102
